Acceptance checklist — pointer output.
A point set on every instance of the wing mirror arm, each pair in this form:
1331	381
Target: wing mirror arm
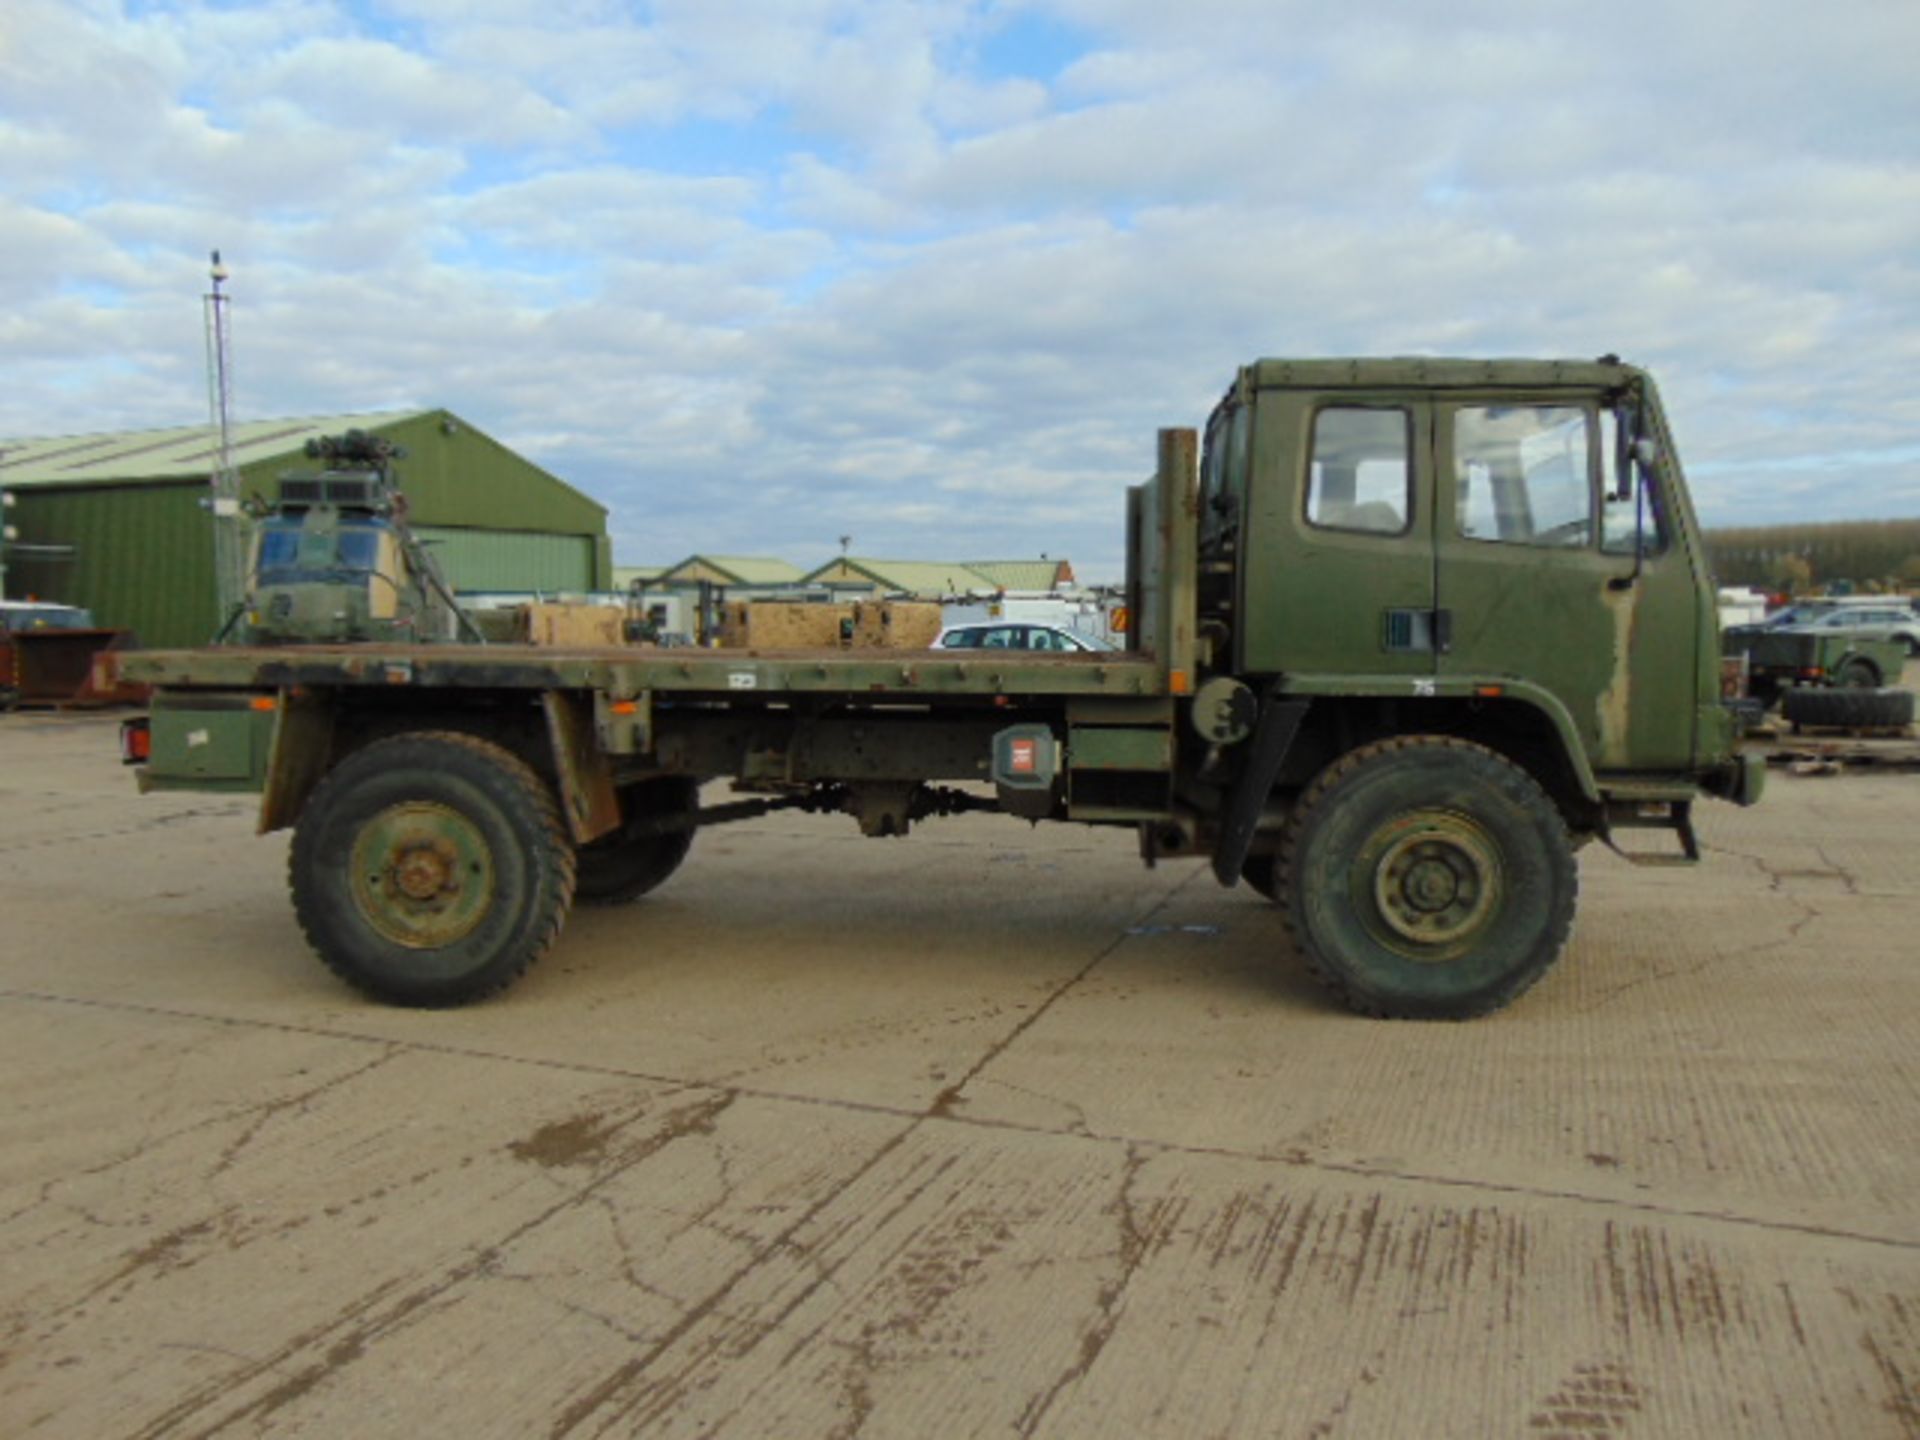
1636	455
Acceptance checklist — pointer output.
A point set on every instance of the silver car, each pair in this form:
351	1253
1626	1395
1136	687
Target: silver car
1891	621
1015	635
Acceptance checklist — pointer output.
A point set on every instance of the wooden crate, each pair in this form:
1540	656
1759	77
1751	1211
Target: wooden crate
895	624
782	625
574	626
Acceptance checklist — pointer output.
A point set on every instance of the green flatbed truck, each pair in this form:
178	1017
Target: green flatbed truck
1404	635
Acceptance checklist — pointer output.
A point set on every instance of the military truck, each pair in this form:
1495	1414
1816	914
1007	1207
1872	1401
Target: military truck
1404	634
335	560
1817	655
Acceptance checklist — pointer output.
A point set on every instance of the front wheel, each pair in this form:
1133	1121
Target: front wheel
1428	878
431	869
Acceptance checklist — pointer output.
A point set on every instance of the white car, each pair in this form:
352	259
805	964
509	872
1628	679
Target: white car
1015	635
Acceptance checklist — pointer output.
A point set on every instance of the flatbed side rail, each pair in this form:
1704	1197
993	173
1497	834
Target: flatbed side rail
869	674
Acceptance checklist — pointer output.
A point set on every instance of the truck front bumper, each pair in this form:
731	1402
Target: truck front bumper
1742	779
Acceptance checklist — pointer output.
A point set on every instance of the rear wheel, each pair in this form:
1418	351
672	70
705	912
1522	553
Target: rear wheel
431	869
1428	878
1857	675
634	859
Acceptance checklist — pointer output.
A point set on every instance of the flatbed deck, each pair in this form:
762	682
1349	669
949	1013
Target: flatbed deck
634	670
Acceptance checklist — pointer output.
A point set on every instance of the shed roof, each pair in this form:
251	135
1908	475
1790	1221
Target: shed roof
1039	574
914	577
745	569
184	452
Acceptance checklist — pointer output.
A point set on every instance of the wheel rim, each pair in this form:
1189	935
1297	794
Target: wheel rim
422	874
1434	880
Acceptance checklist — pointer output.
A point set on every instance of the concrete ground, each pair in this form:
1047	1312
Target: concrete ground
984	1132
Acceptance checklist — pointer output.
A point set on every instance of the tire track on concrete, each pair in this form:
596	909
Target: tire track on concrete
947	1113
627	1388
381	1312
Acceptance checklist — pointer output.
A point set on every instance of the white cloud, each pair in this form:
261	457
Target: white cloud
760	274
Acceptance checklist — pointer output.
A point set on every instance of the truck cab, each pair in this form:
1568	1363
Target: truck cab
1496	548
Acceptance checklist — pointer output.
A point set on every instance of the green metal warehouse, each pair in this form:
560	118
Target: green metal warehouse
117	522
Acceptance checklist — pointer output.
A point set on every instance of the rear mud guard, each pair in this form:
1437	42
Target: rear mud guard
1272	738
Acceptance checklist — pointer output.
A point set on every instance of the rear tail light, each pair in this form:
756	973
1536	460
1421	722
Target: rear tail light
136	741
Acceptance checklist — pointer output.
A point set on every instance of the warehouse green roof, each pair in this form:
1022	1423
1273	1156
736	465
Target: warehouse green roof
184	452
188	452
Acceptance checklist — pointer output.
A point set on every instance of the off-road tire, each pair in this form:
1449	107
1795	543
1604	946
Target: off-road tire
1849	709
622	866
1857	675
399	815
1372	849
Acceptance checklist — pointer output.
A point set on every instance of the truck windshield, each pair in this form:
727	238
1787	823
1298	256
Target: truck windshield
283	556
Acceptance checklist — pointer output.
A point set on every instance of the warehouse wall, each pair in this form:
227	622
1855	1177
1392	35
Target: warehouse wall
513	559
454	475
143	557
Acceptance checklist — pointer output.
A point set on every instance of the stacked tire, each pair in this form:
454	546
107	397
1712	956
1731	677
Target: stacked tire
1848	708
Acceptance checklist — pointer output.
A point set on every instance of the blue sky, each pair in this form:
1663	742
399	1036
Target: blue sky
760	273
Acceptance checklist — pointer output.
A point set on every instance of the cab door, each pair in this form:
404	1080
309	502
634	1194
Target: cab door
1540	509
1339	572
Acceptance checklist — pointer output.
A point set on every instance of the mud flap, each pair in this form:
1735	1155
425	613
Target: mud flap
587	796
1266	753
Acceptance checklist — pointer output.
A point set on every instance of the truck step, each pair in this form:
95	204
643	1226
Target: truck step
1675	816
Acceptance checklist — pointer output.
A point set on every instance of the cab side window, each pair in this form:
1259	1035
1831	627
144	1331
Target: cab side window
1361	473
1523	474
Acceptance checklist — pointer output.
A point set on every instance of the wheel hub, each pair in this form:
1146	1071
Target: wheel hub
425	872
422	874
1436	879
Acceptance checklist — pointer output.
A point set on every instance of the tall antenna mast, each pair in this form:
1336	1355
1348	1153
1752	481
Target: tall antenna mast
229	540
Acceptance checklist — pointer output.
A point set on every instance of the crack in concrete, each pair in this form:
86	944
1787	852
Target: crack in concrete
627	1384
141	827
375	1316
1776	880
1137	1241
266	1111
